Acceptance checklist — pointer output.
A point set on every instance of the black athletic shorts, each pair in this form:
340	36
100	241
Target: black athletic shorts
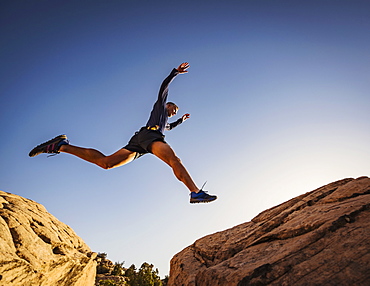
142	139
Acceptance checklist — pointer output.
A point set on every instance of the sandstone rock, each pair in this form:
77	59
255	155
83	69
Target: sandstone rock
37	249
319	238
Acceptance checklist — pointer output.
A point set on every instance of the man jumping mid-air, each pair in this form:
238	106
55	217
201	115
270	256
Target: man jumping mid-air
149	139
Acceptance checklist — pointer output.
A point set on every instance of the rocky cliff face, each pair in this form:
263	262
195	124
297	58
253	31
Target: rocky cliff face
319	238
37	249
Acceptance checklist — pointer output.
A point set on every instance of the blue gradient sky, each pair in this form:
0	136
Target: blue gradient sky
278	93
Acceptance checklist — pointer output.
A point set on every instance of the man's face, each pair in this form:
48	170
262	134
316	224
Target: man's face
171	109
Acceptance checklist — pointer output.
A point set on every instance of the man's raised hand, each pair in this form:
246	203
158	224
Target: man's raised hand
183	68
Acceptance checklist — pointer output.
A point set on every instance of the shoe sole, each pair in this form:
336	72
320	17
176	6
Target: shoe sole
34	152
195	201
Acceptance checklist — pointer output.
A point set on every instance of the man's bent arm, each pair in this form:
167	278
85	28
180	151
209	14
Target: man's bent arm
172	125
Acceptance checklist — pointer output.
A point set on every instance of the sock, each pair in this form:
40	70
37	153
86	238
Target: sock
63	142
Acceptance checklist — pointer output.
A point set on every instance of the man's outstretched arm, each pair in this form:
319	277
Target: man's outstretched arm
163	91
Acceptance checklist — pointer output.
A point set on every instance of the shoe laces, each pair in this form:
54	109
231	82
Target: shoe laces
52	155
201	189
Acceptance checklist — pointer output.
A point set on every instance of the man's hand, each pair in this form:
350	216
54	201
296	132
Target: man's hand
183	68
185	116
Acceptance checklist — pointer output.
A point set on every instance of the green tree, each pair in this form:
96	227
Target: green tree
118	269
131	275
145	276
165	280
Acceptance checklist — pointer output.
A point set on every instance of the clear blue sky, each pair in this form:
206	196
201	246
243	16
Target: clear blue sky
278	93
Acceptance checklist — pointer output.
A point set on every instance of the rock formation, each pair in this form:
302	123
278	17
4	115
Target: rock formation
37	249
319	238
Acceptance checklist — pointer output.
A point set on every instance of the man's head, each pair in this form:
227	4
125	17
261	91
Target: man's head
171	109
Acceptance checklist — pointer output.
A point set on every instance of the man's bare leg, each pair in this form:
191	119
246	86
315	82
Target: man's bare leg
164	152
119	158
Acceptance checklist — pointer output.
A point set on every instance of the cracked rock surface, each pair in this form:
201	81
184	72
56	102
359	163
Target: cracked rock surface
319	238
37	249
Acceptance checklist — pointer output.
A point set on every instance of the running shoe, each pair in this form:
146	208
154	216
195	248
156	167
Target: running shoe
201	197
51	146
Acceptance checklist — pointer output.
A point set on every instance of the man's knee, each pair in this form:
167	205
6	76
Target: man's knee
105	165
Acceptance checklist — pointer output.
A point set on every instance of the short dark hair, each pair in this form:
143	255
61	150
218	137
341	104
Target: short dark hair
171	103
